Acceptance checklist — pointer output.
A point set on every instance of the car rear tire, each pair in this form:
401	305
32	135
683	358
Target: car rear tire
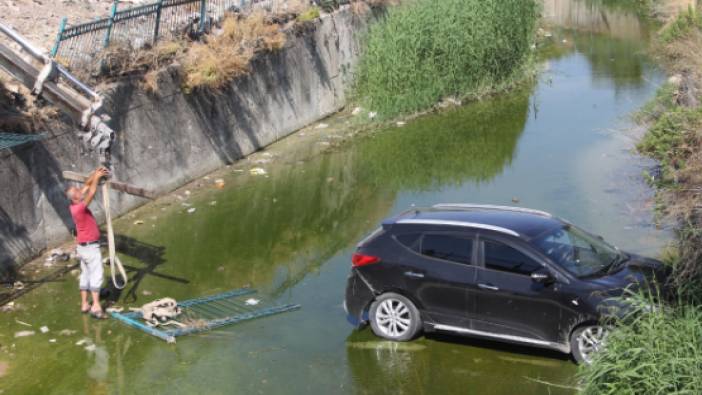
586	341
394	317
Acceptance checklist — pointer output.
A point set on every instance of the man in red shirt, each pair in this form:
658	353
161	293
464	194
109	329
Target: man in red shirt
88	239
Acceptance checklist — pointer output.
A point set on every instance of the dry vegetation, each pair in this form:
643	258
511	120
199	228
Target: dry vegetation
19	111
227	55
675	139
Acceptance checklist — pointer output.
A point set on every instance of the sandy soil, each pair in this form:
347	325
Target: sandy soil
38	20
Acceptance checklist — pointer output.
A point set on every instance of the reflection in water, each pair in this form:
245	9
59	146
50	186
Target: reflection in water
455	365
592	16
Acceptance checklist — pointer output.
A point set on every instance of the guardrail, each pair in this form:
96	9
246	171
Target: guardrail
137	26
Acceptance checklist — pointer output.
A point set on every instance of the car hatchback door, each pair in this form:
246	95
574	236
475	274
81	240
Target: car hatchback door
509	302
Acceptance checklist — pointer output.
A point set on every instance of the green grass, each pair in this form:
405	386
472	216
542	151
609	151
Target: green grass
654	352
682	25
426	50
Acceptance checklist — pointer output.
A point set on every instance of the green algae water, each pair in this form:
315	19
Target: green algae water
562	144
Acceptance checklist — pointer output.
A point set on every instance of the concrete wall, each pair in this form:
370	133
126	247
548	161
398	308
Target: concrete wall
167	139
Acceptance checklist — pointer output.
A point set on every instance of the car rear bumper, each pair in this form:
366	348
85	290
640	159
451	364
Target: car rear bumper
359	296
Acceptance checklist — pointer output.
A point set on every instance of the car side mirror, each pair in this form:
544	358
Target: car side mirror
543	277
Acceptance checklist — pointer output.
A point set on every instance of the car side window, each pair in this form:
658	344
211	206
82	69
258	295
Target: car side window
500	256
448	247
409	240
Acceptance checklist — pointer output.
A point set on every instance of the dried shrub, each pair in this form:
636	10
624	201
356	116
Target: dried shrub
227	55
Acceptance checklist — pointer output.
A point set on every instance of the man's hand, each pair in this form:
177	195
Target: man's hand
101	172
92	182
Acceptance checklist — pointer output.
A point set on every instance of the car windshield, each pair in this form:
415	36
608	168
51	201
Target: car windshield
578	252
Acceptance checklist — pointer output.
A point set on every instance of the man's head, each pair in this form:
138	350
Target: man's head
74	194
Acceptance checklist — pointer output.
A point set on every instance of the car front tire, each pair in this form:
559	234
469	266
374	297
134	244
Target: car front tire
586	341
394	317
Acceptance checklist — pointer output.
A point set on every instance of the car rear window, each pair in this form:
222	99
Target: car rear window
447	247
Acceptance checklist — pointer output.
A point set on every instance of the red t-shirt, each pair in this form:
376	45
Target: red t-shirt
86	226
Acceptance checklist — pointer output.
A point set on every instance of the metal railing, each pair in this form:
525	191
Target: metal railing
77	46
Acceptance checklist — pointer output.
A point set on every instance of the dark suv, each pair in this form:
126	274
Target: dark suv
504	273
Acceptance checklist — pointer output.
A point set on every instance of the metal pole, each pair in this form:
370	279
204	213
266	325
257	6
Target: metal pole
113	11
26	45
158	19
59	36
203	12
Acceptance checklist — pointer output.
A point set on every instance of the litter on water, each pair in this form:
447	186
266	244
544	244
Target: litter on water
168	319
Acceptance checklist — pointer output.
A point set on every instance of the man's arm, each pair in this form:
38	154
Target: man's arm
91	184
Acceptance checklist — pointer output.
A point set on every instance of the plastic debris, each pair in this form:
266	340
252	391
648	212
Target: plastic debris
114	309
257	171
515	200
67	332
24	333
213	203
52	340
23	323
187	193
372	115
83	341
219	183
146	293
44	329
322	126
356	111
18	285
191	210
401	123
138	222
252	302
8	306
90	348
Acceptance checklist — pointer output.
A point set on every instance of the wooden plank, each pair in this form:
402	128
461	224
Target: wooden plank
116	185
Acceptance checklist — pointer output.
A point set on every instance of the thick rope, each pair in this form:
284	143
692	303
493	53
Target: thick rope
114	260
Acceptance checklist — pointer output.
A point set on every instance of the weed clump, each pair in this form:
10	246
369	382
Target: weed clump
657	349
426	50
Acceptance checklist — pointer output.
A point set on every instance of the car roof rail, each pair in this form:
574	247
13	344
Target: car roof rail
421	221
468	206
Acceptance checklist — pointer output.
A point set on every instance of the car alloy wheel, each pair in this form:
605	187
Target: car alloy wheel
393	318
588	341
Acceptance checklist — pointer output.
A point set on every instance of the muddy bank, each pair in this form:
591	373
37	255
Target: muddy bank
167	139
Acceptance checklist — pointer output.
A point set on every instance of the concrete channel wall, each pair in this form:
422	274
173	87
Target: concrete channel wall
170	138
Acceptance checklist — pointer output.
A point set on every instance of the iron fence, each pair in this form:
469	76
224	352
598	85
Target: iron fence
77	46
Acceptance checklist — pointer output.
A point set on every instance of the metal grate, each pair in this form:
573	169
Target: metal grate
9	140
206	313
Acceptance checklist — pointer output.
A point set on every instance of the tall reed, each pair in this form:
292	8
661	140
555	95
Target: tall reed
425	50
656	350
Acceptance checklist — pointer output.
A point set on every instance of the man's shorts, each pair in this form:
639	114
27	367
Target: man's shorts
91	271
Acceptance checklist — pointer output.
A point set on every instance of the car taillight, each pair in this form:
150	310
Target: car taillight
363	260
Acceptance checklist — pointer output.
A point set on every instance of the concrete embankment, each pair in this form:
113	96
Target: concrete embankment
169	138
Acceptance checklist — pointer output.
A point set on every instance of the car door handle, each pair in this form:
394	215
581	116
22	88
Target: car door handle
414	274
488	286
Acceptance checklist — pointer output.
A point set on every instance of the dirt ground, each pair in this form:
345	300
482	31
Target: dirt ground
38	20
